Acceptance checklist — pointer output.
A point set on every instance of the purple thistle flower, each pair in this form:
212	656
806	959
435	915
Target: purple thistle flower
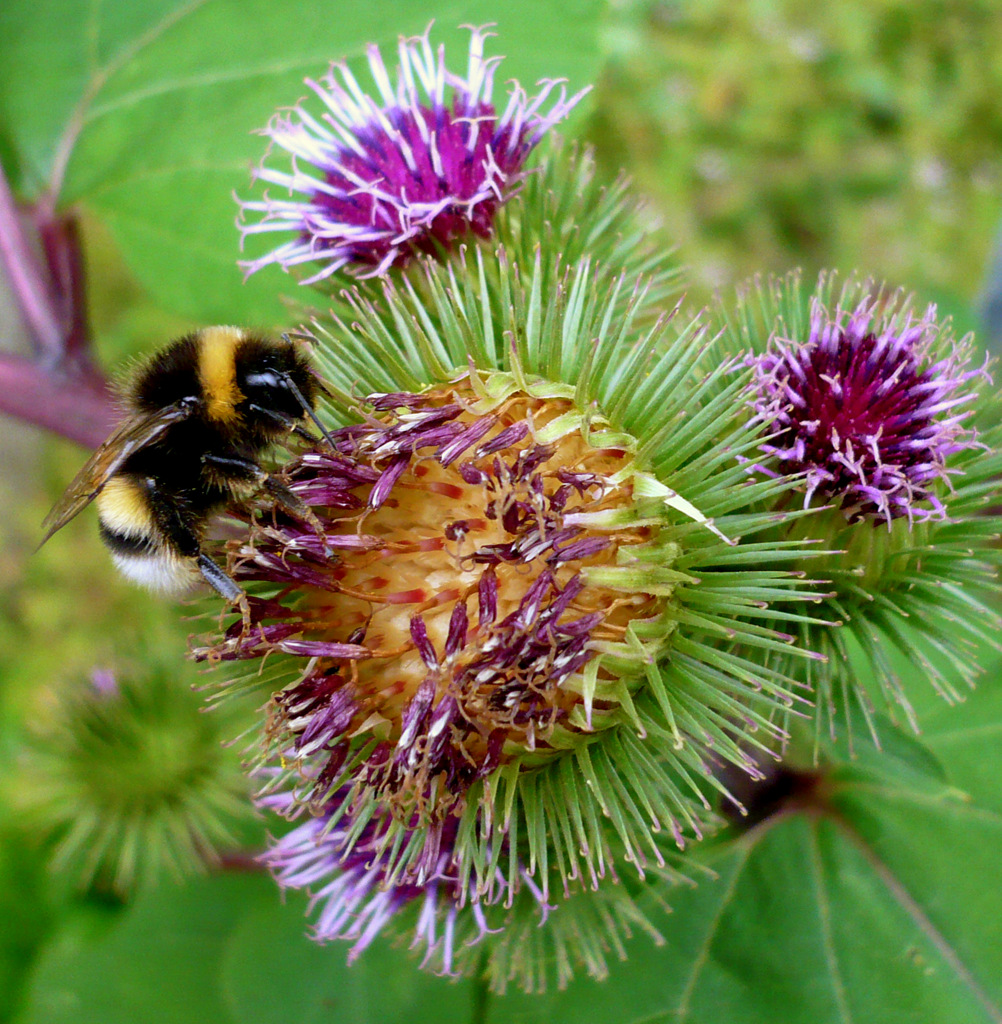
346	871
427	161
866	409
453	633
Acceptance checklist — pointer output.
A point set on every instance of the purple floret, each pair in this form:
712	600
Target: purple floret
345	870
866	410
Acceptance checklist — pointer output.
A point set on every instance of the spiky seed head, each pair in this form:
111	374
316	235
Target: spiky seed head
131	779
875	411
526	606
483	605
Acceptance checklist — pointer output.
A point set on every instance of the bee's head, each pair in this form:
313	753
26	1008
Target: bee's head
277	384
275	376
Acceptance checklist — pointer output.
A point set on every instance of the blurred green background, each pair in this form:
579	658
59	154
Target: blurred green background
764	135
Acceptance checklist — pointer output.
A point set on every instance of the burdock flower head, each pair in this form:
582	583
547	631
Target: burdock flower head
130	779
376	179
520	634
355	899
872	406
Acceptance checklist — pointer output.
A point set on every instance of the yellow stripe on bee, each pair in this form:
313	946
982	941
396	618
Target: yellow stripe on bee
123	508
217	371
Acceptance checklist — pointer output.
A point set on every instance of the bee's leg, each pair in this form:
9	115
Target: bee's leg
178	528
238	468
225	586
300	431
283	420
291	502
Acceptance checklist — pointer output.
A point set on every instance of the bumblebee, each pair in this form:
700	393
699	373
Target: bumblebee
200	414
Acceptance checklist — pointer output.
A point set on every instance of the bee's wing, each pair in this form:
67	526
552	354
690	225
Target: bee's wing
136	433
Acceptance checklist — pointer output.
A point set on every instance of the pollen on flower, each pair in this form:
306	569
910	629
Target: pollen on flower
866	409
464	615
425	162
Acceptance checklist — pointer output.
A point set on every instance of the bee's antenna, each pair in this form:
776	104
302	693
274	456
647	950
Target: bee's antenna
308	409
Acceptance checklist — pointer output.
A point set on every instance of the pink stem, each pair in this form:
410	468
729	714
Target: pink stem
34	292
60	389
60	236
75	407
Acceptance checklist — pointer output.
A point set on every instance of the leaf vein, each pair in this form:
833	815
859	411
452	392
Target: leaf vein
964	733
912	907
824	913
955	801
98	79
703	953
165	88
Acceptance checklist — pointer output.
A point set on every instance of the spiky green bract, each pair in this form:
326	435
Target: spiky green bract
130	779
565	212
687	697
507	938
581	934
921	586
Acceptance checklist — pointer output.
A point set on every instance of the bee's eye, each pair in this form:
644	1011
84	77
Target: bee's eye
266	379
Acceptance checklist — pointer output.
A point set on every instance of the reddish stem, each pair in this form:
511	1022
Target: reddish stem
60	237
61	389
77	407
34	291
240	862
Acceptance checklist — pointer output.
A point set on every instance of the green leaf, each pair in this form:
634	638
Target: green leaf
25	914
226	949
160	963
312	984
879	905
144	113
968	737
965	736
